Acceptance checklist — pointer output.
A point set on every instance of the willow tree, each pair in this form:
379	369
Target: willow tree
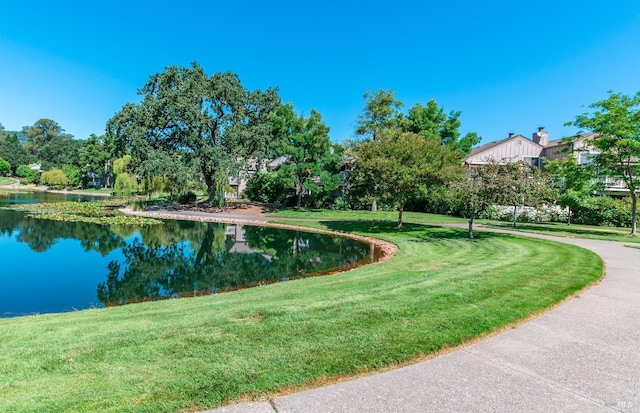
211	120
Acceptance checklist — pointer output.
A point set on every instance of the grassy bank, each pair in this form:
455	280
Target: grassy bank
6	181
191	354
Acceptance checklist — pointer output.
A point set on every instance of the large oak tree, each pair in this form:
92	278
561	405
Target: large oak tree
211	120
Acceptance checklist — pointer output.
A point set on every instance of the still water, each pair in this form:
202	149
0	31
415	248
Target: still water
52	266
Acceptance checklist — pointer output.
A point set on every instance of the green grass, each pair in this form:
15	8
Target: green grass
569	231
547	228
6	181
325	214
440	290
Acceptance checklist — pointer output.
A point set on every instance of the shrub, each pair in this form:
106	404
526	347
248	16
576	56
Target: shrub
5	167
55	178
187	198
605	211
26	174
267	187
73	174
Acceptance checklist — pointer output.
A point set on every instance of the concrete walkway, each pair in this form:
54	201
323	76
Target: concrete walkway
583	356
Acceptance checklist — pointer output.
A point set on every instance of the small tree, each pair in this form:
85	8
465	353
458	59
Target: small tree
401	166
477	191
73	175
499	184
54	177
616	124
572	182
26	174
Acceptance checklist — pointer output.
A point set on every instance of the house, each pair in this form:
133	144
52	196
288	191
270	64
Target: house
516	148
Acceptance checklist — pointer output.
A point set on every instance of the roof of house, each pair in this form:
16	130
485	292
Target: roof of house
490	145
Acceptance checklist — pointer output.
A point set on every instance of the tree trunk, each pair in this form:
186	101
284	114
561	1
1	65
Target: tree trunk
471	228
634	213
400	209
299	203
568	215
374	206
515	215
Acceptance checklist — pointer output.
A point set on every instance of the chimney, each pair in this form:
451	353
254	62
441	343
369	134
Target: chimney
510	135
541	137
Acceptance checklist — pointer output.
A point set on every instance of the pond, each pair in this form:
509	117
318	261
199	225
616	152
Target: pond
53	266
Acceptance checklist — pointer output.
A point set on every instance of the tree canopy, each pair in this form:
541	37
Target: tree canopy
305	144
213	121
381	112
41	133
615	122
402	166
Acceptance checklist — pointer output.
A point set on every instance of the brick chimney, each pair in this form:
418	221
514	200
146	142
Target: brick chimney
541	137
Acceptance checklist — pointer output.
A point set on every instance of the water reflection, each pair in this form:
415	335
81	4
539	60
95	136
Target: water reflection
70	265
216	257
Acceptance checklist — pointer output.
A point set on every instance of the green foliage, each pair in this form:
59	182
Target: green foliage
616	124
431	122
210	121
122	165
54	177
13	152
41	133
306	145
516	184
187	198
573	183
604	211
27	175
61	150
268	187
5	167
96	212
95	156
73	175
125	184
381	112
401	167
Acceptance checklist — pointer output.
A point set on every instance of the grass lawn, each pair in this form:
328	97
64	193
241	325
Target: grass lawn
185	355
571	231
325	214
6	181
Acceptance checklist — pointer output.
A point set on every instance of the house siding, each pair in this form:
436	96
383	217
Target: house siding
514	149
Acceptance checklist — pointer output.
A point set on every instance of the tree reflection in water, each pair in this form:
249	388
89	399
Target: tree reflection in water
212	258
183	258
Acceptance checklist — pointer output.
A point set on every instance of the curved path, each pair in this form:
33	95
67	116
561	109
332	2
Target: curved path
583	356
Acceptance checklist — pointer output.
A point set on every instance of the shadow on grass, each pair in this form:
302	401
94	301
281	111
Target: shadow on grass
556	229
414	232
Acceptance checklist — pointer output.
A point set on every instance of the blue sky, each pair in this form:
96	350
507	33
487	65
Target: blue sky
508	66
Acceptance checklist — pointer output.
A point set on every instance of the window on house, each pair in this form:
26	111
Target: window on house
531	160
586	158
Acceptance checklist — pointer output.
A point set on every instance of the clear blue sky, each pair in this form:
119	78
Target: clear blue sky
508	66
